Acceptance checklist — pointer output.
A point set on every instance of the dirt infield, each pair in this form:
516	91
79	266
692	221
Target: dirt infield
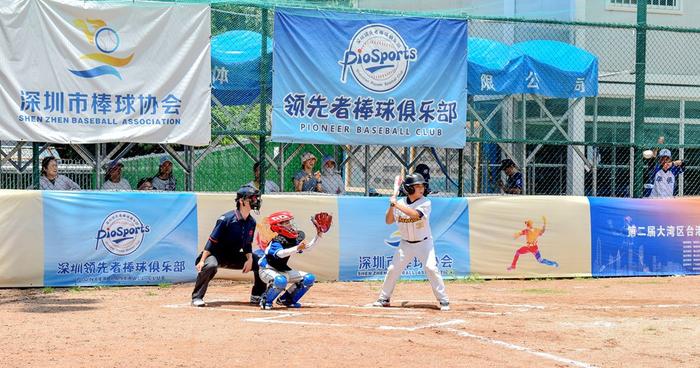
626	322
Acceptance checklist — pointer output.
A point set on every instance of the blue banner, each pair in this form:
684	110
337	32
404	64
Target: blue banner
342	78
645	237
541	67
102	238
368	244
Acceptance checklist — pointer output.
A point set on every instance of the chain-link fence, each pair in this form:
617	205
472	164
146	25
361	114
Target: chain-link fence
576	146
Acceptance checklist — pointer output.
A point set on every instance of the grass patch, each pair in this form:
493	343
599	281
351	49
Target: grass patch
165	285
472	278
47	290
151	293
543	291
75	289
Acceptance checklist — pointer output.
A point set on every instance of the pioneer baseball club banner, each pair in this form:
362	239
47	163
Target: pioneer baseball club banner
345	78
90	72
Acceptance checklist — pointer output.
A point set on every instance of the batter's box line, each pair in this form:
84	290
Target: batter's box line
279	320
285	311
521	307
409	311
523	349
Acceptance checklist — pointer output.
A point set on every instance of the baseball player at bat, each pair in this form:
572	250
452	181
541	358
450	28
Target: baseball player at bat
412	213
273	266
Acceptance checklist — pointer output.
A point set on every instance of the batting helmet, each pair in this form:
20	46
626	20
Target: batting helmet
410	180
280	222
249	193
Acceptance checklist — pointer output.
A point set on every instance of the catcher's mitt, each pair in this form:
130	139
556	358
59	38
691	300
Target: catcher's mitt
322	221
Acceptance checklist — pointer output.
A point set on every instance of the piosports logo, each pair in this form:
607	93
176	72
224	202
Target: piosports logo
107	41
121	233
378	58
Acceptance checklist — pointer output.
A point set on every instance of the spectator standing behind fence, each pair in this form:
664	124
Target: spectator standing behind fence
51	180
306	180
332	182
164	180
145	184
514	185
113	177
270	186
663	177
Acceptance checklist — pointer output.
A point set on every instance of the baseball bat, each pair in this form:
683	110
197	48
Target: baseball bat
397	185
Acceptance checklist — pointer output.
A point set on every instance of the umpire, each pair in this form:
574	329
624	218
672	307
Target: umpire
230	246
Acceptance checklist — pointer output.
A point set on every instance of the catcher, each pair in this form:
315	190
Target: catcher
273	266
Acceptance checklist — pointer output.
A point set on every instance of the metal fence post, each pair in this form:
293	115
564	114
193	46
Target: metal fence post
639	80
35	165
460	175
264	65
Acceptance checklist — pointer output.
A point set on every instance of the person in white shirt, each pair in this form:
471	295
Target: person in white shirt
332	182
663	178
270	186
412	214
113	177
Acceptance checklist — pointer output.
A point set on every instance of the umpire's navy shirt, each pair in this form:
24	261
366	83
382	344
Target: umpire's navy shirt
231	234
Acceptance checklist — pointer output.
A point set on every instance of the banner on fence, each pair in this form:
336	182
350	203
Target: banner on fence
529	236
342	78
645	237
141	238
368	245
89	72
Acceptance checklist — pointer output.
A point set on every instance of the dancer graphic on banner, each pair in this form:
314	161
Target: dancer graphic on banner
531	235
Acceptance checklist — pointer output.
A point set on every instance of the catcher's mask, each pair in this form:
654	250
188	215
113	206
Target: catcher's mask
410	180
281	223
248	192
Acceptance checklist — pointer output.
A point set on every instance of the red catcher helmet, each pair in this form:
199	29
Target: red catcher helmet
287	230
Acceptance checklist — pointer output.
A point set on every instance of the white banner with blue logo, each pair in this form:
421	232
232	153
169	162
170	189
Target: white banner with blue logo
368	244
103	238
90	72
344	78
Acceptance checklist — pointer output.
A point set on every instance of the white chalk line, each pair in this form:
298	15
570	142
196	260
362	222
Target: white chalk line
286	311
279	320
648	306
526	307
508	345
514	306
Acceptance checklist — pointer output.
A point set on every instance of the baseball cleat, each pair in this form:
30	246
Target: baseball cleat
198	302
381	303
444	306
255	300
284	303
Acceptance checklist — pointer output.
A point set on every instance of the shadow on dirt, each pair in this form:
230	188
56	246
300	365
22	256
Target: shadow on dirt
52	304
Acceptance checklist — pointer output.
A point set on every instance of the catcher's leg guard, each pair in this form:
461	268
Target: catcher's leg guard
273	290
291	299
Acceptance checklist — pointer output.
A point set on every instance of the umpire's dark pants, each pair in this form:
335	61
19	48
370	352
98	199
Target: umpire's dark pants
211	265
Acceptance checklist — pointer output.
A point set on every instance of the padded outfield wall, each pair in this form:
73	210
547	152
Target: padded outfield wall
135	238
